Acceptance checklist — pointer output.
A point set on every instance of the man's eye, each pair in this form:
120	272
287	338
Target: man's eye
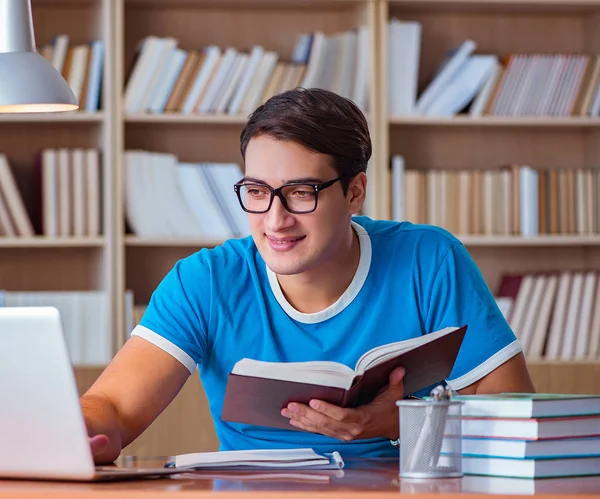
255	192
303	193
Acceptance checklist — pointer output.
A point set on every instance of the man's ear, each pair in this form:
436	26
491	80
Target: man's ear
357	192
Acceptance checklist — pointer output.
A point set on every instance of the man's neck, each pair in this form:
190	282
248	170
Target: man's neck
320	288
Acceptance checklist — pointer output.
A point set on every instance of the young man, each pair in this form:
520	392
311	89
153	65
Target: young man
312	283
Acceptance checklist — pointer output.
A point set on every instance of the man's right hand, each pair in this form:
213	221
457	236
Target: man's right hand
98	444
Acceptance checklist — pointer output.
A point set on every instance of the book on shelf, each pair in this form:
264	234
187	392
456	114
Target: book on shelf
555	314
506	200
194	200
233	81
81	65
302	458
538	84
67	196
257	390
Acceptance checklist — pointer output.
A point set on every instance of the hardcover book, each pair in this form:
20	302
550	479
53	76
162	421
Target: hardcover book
257	391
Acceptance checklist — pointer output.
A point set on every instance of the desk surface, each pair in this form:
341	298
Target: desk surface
360	478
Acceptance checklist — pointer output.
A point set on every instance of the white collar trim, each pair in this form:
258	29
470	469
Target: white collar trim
343	301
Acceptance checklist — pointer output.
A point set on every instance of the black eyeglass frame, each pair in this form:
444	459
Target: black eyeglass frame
278	192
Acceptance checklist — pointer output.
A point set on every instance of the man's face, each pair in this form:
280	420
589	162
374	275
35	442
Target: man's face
296	243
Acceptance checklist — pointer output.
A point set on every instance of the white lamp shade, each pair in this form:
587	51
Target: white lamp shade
28	82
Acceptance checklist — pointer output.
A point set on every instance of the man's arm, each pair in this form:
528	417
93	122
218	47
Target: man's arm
512	376
131	392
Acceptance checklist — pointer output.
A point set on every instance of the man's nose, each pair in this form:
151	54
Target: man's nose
278	217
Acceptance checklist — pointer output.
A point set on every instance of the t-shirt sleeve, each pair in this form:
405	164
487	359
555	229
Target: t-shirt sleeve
460	295
174	320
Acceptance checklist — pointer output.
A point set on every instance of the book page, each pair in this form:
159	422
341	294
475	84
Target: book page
382	353
321	373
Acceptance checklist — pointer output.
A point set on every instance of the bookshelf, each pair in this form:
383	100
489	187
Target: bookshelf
116	261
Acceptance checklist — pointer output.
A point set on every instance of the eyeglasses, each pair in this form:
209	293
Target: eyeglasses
296	197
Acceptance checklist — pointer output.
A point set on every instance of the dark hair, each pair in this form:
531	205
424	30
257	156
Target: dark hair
320	120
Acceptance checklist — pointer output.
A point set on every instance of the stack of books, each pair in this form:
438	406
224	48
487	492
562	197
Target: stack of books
531	435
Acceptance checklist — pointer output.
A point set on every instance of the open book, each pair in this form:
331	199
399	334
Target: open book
257	391
259	458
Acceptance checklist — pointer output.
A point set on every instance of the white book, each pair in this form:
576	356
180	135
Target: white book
540	330
256	56
218	80
14	202
6	225
225	95
362	75
260	81
532	312
398	200
77	70
573	316
452	63
64	193
212	56
141	74
529	201
463	87
78	186
594	344
49	172
314	61
202	202
167	46
484	95
59	51
404	52
164	86
557	325
93	192
582	336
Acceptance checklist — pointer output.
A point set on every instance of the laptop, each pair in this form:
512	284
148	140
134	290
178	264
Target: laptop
42	430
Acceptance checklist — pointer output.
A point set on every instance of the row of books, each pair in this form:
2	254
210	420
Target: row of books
85	319
81	66
555	315
227	80
531	435
166	198
69	196
513	199
485	84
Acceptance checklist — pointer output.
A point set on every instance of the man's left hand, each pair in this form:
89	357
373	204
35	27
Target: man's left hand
379	418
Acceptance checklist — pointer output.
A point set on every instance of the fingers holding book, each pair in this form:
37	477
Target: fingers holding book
379	418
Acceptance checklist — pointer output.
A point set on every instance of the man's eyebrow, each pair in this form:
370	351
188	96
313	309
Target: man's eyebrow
303	180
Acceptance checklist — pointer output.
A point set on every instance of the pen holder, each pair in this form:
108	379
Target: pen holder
430	438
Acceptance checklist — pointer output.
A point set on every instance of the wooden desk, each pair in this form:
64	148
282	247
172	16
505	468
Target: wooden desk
359	479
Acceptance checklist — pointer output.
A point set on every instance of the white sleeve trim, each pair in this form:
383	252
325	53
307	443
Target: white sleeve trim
166	345
496	360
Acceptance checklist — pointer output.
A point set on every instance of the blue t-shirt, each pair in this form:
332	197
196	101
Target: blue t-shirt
223	304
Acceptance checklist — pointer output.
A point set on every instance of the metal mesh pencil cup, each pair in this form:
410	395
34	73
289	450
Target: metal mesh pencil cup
430	438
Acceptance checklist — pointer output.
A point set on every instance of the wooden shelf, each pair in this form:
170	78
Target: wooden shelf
51	242
170	243
564	363
513	6
180	119
562	240
247	4
67	117
496	121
